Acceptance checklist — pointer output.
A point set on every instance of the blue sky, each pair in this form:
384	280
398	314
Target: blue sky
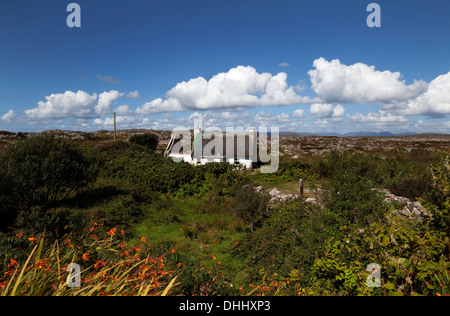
304	66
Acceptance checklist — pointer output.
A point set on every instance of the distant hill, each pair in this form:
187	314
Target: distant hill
351	134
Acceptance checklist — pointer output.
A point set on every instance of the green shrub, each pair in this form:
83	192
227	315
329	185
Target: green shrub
147	140
110	149
404	177
122	212
351	200
250	206
290	238
41	172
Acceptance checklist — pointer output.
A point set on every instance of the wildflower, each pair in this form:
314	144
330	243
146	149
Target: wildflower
12	264
41	264
143	239
32	239
86	257
173	251
122	232
100	264
179	265
112	232
137	249
20	235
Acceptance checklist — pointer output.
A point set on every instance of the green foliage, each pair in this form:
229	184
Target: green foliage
147	140
289	238
108	149
250	206
409	253
290	171
439	205
351	199
406	177
42	171
123	212
149	172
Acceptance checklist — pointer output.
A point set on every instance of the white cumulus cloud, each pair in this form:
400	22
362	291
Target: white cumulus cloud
78	104
239	87
298	113
134	95
60	105
326	110
434	102
379	118
333	82
8	116
105	100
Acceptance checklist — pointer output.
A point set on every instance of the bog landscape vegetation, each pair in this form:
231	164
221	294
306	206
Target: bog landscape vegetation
138	223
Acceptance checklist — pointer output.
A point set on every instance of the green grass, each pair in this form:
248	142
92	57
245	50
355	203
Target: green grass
195	235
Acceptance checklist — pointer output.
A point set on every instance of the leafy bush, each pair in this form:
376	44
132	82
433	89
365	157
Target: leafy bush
409	254
110	148
149	172
42	171
290	171
289	239
351	200
408	178
251	206
122	212
147	140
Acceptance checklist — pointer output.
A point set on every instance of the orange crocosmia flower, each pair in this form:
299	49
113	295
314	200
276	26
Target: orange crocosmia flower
122	232
112	232
143	239
173	251
137	249
179	265
86	257
13	263
32	239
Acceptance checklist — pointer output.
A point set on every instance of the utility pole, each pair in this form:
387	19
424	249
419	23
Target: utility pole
115	132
